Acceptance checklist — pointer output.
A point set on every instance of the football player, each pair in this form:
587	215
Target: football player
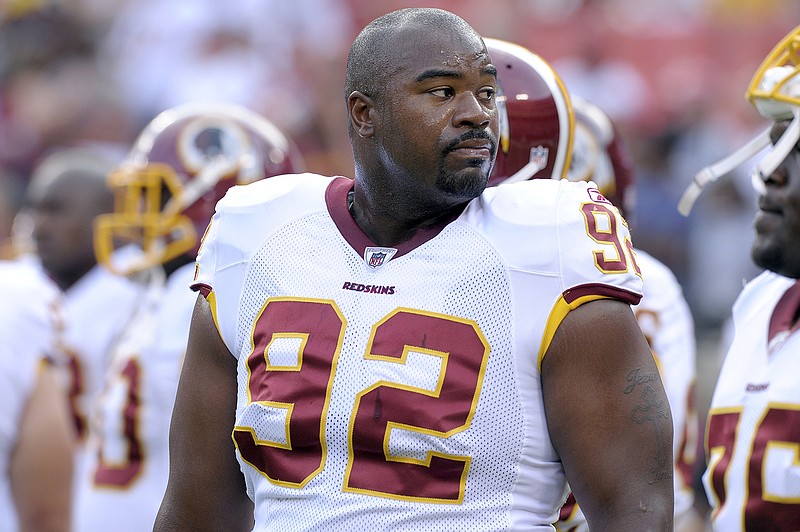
166	189
536	148
413	350
600	155
67	191
753	427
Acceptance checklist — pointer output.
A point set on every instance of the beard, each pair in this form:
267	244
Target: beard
469	180
467	183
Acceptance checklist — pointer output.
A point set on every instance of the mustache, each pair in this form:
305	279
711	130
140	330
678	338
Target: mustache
472	135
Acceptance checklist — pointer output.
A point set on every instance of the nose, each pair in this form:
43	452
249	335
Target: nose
776	178
470	112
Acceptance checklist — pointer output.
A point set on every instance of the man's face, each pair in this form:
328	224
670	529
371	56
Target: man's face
63	214
437	123
777	224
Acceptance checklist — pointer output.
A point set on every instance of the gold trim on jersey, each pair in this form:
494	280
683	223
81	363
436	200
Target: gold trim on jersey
560	310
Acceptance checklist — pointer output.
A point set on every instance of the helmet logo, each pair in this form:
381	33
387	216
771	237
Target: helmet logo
539	155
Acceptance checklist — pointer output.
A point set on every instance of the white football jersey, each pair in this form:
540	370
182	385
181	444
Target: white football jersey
753	430
666	321
28	331
121	484
96	309
399	388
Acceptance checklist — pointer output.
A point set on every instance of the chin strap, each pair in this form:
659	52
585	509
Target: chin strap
782	148
525	173
764	168
719	169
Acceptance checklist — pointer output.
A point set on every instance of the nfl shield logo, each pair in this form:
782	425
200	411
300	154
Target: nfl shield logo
539	155
375	257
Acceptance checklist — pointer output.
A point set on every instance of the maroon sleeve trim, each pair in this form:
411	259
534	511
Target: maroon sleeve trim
598	289
202	288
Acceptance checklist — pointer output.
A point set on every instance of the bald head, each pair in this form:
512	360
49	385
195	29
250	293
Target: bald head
372	56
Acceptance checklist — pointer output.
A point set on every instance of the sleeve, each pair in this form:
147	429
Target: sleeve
594	257
205	270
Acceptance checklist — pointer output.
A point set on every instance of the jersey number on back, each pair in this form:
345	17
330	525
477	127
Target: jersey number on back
303	391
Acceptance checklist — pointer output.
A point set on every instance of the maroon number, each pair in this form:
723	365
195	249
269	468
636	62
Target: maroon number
720	437
303	391
75	389
601	226
688	446
778	429
123	474
442	412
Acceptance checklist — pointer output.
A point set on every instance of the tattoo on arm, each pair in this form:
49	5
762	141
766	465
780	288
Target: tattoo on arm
651	409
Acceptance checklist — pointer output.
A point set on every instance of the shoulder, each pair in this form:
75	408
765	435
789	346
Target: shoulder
558	228
25	283
277	188
763	291
526	201
268	204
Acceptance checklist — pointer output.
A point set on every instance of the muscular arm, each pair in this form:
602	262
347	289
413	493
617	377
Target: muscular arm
41	465
609	418
206	490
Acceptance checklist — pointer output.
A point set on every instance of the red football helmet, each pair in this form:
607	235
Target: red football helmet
600	155
535	114
180	166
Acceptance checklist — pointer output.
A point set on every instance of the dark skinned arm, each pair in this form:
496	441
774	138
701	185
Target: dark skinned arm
206	489
609	419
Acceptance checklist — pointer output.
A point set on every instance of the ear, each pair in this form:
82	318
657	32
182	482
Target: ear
360	106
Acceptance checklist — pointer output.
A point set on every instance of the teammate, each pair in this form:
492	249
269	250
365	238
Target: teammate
413	352
540	149
178	168
66	193
753	428
36	436
663	313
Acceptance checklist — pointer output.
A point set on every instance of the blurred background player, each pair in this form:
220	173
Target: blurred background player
36	436
166	189
537	145
753	427
600	155
67	191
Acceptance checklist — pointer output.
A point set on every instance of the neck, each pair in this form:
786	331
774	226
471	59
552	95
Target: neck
66	279
389	228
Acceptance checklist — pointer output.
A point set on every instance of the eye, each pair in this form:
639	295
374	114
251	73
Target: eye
487	94
442	92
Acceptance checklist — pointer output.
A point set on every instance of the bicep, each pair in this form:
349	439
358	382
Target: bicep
609	418
205	488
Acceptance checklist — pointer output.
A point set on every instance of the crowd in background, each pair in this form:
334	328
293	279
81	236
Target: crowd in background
670	74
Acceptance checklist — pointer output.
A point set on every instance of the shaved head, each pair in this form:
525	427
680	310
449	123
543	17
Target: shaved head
371	58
